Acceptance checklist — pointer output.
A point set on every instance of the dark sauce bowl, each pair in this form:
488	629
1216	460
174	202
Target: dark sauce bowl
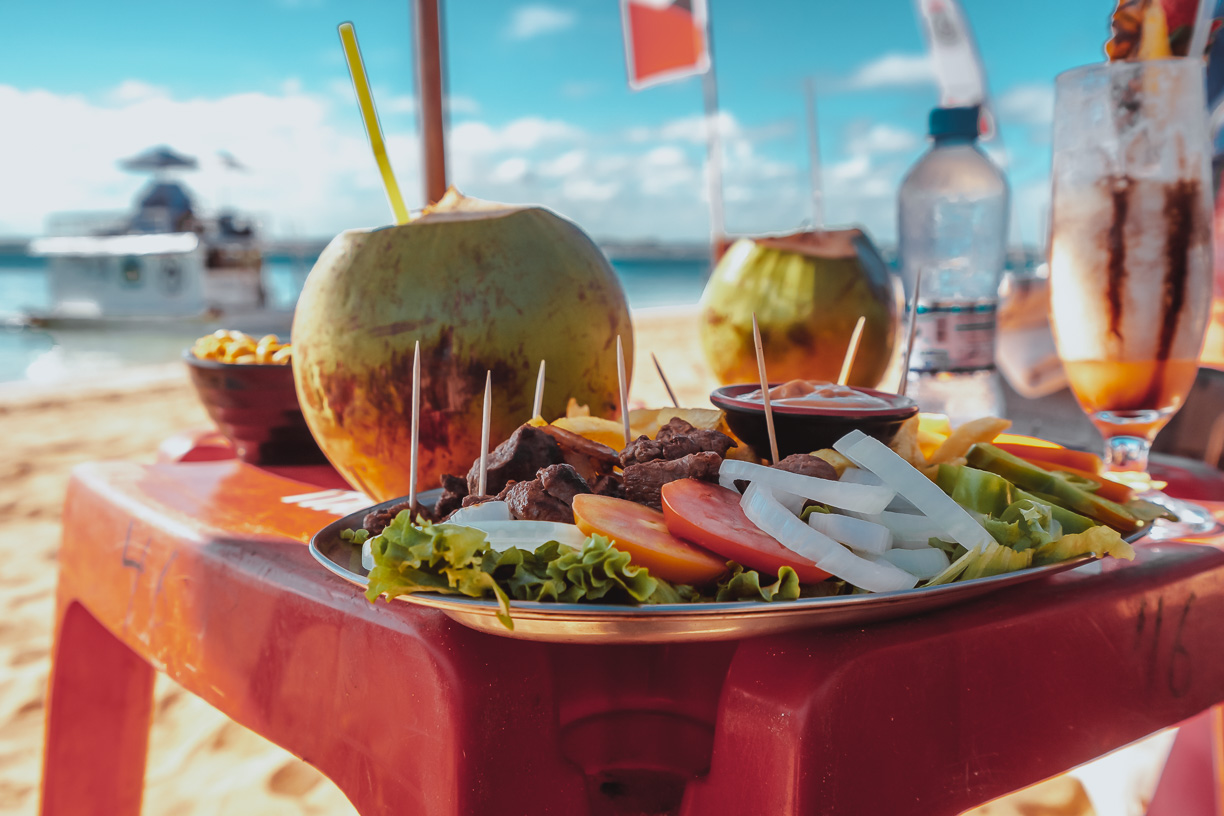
802	429
256	408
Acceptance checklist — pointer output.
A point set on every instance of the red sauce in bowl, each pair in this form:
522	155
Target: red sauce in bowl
817	394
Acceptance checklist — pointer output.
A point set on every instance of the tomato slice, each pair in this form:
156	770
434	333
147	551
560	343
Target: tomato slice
641	531
710	516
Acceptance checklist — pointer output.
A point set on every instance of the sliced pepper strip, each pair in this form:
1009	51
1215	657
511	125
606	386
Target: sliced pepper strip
1045	457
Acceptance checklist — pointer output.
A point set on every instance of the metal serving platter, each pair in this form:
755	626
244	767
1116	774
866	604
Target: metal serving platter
668	623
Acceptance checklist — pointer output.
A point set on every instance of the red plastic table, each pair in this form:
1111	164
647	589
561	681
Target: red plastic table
199	570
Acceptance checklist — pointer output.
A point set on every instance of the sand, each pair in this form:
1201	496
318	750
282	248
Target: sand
200	762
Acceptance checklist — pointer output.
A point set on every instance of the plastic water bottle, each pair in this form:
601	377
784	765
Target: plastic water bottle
953	216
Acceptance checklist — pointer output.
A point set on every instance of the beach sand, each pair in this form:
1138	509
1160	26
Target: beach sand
200	762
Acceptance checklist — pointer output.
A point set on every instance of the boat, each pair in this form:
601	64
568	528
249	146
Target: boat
164	263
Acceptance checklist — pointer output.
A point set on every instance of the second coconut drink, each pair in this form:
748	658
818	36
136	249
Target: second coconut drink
807	291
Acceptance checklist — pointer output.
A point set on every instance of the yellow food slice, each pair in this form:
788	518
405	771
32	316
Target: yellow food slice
596	429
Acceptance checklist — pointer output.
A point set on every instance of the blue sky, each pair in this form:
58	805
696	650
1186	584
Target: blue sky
540	108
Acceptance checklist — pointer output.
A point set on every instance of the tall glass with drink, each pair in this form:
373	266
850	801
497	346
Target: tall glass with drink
1130	260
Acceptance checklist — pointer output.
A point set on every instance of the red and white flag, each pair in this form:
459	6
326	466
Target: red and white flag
664	40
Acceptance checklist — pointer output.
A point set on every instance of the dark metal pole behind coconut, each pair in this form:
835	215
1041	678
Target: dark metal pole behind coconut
427	29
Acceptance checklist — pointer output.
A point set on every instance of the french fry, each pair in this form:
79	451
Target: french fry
966	436
905	444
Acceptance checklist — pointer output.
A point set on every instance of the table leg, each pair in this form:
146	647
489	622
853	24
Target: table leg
98	715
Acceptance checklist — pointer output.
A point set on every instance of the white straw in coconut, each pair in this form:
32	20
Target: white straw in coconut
415	443
624	389
536	406
769	425
909	334
483	472
851	350
663	377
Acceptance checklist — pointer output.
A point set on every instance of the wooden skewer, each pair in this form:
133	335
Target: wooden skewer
483	472
536	406
624	390
909	334
769	423
663	377
851	350
415	443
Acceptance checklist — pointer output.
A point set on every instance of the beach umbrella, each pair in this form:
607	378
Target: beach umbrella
158	158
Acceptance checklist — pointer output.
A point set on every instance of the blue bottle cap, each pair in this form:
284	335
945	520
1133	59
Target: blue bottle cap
962	122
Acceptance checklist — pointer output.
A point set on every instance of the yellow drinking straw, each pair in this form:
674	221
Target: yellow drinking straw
352	55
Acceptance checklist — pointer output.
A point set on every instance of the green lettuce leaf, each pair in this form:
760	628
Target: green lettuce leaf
457	560
445	558
744	585
1024	524
357	536
1098	541
976	490
993	560
599	571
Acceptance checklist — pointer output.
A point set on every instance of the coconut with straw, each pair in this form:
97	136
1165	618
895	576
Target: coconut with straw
482	287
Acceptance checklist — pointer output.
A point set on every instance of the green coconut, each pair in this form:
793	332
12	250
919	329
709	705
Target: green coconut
483	287
807	291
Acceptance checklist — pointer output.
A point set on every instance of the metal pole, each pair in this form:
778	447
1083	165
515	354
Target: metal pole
814	157
714	182
427	22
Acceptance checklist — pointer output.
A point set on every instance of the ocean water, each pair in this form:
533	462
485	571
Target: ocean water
51	356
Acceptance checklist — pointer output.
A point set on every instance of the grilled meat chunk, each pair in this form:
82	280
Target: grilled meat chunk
377	520
562	482
518	458
644	482
454	490
530	501
805	464
548	497
675	440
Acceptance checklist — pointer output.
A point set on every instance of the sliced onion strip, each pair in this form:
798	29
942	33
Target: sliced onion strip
763	510
485	511
858	535
872	454
862	498
925	563
528	535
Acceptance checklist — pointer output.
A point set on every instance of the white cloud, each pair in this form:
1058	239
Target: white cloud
134	90
1028	104
462	104
510	171
581	189
402	103
311	172
882	138
894	71
665	156
566	164
851	169
536	20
